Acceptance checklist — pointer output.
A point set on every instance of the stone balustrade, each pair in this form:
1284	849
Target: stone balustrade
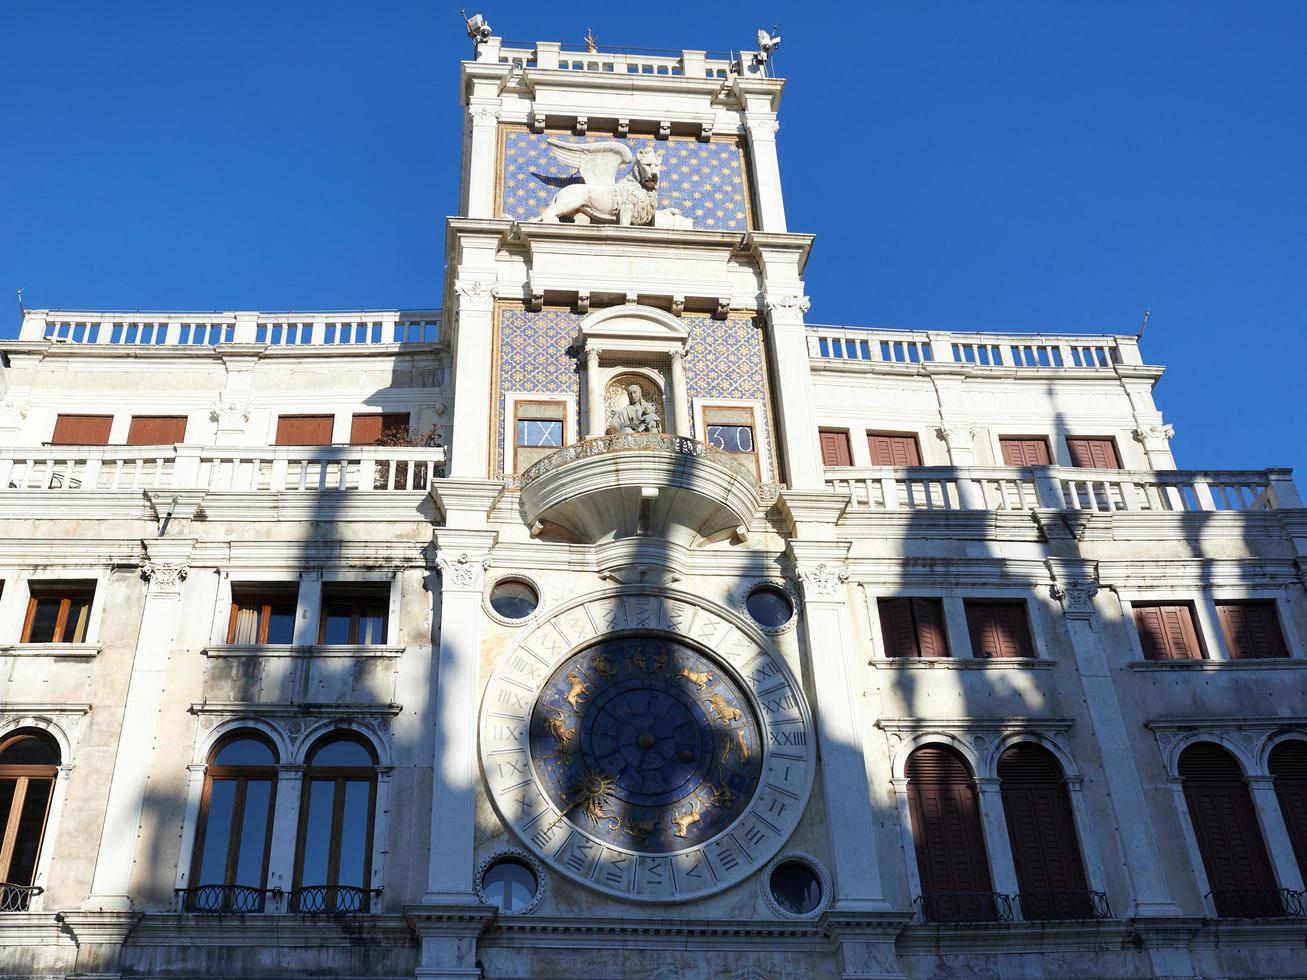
1017	351
550	55
177	329
233	469
1000	488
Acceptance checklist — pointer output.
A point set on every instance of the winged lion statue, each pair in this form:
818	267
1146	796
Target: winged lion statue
602	198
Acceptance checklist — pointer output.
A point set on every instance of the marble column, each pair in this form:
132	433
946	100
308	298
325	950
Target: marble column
1274	831
594	395
680	398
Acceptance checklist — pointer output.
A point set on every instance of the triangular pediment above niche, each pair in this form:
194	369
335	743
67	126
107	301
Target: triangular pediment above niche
634	328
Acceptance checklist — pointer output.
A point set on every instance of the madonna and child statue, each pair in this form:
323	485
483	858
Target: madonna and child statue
638	414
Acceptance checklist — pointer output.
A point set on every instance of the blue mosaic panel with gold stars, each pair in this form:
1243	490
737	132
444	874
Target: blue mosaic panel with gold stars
537	354
704	181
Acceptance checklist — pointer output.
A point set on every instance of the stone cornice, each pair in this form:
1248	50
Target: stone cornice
312	709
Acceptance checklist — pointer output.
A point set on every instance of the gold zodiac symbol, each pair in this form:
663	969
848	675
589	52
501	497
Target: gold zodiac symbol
737	743
642	829
724	711
649	667
603	664
563	736
722	798
578	689
699	678
683	822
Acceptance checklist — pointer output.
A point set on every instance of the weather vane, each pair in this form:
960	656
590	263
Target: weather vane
591	42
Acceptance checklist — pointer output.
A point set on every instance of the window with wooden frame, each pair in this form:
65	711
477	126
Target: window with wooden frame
304	430
1252	629
913	627
1239	873
1287	765
156	430
367	429
1167	630
1042	832
733	429
835	447
354	614
262	613
893	449
29	765
81	430
1093	453
333	862
950	845
234	834
538	430
58	612
999	629
1025	451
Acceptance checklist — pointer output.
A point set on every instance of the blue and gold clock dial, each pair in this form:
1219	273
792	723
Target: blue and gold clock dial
645	744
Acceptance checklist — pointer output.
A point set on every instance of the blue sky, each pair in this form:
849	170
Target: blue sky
1019	165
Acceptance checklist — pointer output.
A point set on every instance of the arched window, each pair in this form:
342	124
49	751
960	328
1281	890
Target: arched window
1229	837
950	845
1050	873
235	830
333	864
1288	766
29	764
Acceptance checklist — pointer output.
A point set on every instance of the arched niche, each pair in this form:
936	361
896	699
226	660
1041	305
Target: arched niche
640	345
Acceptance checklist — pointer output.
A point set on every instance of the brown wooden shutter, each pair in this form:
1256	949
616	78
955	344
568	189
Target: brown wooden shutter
304	430
156	430
1166	631
835	449
892	450
1040	825
365	430
1097	454
1229	836
1024	452
946	831
913	627
896	627
999	629
81	430
1288	767
1252	630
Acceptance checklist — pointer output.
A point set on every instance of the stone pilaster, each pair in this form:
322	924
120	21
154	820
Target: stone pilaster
164	571
100	937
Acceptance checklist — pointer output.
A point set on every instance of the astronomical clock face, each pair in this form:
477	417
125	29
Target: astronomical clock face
647	747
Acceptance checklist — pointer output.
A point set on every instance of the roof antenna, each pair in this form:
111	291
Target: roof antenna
22	310
1143	326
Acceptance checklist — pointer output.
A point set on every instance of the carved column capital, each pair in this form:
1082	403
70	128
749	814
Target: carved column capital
792	303
462	572
1155	437
1077	598
957	435
475	295
822	581
763	128
164	577
484	115
229	414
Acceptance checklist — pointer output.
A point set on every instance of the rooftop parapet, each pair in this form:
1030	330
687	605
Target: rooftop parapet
209	329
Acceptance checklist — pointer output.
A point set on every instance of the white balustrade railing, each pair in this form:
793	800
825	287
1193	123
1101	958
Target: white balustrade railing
1019	351
1000	488
550	55
211	329
239	470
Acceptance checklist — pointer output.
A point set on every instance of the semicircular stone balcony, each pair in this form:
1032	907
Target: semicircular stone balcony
645	485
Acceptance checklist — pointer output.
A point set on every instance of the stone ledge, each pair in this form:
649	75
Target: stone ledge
59	651
962	663
325	651
1279	663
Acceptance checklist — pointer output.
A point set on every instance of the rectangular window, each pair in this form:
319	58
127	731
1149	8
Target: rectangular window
893	449
1025	451
81	430
730	428
537	431
156	430
1095	454
999	630
913	627
1252	630
57	612
354	614
262	613
369	429
835	448
304	430
1166	631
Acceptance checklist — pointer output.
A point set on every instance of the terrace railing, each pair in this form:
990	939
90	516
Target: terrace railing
237	469
1008	488
1016	351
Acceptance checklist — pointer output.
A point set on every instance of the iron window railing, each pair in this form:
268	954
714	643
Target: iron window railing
963	907
1259	903
317	899
220	899
1048	906
17	898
